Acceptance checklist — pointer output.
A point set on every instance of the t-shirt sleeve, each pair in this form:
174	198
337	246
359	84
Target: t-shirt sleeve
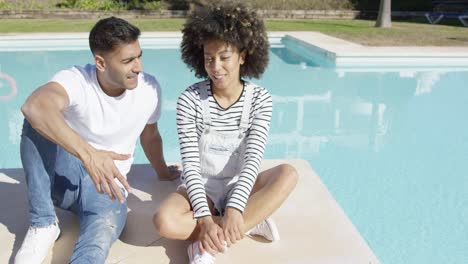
157	112
71	81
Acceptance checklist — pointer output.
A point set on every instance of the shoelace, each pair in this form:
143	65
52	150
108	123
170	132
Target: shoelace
31	236
263	229
32	233
263	226
204	260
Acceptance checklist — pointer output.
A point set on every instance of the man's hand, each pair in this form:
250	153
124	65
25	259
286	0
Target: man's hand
211	236
102	170
173	172
232	224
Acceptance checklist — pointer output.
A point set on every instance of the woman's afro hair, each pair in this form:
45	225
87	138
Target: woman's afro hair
232	23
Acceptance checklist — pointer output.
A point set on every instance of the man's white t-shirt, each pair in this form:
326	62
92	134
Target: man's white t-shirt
105	122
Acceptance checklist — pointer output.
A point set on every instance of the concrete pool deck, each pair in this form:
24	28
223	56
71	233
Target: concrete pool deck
313	227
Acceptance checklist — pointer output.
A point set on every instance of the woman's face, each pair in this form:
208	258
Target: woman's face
222	63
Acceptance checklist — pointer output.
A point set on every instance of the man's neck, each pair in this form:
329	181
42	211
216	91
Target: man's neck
107	87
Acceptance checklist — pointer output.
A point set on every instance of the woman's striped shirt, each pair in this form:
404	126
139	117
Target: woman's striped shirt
190	127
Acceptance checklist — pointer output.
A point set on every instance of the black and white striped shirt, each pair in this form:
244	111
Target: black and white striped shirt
190	127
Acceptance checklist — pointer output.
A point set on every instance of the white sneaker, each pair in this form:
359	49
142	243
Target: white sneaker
267	229
36	244
196	257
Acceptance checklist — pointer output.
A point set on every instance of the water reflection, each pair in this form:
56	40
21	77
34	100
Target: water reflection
351	108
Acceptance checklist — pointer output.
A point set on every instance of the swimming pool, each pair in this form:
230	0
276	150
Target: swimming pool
390	143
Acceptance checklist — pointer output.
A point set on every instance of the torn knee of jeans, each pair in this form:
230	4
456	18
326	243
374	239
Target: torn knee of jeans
111	220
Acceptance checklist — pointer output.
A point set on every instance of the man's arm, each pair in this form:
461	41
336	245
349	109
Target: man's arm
153	147
44	111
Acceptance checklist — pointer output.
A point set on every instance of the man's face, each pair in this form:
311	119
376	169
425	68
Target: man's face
119	68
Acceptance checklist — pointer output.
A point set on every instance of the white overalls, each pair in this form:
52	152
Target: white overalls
222	153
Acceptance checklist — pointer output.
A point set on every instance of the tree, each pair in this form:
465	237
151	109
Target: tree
384	19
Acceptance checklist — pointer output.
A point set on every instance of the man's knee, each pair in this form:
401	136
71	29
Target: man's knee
107	229
93	250
115	220
98	234
110	231
105	226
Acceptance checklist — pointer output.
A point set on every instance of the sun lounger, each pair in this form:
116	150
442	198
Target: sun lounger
448	9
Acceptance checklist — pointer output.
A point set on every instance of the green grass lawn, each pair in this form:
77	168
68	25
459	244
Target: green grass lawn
413	33
364	32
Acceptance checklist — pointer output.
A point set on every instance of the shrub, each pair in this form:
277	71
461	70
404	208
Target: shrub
273	4
397	5
91	4
112	4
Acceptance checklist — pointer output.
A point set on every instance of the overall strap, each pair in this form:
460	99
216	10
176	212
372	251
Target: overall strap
205	103
244	122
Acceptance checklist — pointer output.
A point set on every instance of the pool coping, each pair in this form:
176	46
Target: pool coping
350	54
341	52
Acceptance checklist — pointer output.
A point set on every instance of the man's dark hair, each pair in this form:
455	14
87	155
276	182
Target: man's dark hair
232	23
111	32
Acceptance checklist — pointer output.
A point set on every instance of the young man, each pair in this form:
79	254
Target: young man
78	141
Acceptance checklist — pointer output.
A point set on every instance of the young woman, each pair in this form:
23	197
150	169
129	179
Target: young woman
223	125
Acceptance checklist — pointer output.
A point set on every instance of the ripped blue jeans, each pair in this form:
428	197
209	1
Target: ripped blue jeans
56	178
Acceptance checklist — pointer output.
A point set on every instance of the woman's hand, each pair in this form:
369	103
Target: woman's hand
232	224
211	236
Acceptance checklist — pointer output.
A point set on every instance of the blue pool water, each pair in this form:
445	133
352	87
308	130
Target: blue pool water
391	144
